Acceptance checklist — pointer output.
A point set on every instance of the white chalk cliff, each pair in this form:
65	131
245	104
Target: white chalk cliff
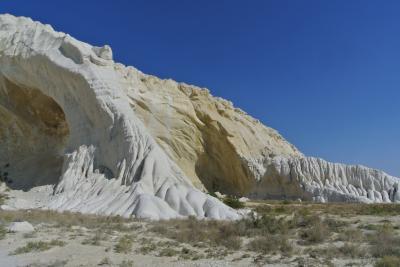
80	132
315	179
66	120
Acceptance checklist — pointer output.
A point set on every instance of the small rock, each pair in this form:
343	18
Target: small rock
20	227
243	199
219	195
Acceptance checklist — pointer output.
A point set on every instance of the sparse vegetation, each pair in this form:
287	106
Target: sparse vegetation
192	231
29	235
56	263
342	209
94	240
3	198
127	263
388	261
69	219
351	235
385	242
105	262
3	231
124	244
279	232
270	244
352	251
38	246
233	202
315	233
168	252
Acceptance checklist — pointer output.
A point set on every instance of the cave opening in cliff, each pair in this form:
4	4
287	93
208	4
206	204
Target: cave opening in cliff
33	135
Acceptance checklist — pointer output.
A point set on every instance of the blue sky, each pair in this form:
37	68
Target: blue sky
325	74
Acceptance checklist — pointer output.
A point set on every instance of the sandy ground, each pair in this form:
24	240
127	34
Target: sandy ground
96	246
74	253
78	253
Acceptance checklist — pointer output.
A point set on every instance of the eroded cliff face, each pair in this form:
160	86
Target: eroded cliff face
80	132
315	179
68	128
223	149
214	143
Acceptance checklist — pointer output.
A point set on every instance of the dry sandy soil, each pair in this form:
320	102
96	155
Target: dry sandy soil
281	234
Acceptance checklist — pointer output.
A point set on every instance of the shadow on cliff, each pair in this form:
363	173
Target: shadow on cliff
219	167
33	134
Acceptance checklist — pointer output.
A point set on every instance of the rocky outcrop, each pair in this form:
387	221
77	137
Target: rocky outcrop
318	180
213	142
20	227
80	132
67	122
223	149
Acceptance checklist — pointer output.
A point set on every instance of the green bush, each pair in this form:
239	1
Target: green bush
233	202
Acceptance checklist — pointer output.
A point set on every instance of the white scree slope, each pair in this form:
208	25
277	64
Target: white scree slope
111	164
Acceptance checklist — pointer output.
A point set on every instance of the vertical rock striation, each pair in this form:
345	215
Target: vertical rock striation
111	164
80	132
318	180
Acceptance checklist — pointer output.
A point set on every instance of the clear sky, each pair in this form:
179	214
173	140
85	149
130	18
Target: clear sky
325	74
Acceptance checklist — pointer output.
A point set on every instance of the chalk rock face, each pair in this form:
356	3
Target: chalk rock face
213	142
65	120
225	150
80	132
318	180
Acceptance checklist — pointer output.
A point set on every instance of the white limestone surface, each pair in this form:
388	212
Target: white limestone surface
79	132
315	179
109	163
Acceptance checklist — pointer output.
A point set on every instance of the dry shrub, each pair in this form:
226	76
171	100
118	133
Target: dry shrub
3	198
124	244
105	262
64	219
317	231
341	209
351	235
265	224
38	246
126	263
3	232
352	251
192	231
315	234
388	261
95	240
385	242
168	252
270	243
335	225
